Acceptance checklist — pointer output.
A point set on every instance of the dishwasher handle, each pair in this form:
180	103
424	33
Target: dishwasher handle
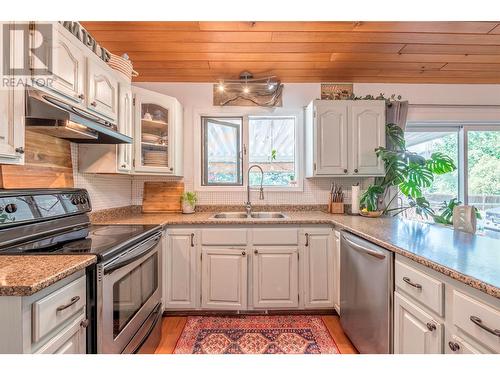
372	252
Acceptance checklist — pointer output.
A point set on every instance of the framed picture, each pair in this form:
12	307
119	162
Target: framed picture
336	91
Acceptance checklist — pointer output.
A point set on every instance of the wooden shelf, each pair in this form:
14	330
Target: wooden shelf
154	124
148	144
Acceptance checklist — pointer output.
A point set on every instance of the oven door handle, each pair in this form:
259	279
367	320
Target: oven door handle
137	252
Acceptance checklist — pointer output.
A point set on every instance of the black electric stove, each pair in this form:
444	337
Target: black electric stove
56	221
104	241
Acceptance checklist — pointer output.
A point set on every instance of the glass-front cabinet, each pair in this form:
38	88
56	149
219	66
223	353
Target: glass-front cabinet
158	133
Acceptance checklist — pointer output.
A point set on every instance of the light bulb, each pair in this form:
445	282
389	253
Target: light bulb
221	87
246	90
270	86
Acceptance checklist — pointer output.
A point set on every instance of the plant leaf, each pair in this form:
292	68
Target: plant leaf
369	198
419	175
410	189
440	163
396	136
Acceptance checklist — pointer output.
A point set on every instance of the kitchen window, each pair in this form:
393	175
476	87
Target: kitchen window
221	164
476	152
231	144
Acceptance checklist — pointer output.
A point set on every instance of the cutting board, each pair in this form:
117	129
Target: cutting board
162	196
47	164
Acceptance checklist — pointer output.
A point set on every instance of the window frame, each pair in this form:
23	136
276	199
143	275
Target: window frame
239	148
246	113
462	128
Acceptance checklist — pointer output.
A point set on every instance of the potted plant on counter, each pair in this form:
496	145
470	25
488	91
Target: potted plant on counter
409	172
188	201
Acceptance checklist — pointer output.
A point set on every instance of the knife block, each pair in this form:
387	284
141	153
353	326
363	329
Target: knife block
336	207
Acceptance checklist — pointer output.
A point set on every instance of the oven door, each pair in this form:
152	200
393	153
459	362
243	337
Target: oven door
129	289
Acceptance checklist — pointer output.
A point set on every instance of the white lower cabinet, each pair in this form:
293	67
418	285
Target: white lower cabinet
249	268
468	319
71	340
224	278
415	331
181	269
275	277
318	268
51	321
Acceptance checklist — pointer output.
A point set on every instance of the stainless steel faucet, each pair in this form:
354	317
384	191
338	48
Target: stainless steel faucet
248	204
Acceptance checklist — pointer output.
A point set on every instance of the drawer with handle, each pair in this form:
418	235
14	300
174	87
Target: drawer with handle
421	287
55	309
480	321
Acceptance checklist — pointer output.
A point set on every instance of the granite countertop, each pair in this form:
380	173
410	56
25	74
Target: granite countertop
471	259
24	275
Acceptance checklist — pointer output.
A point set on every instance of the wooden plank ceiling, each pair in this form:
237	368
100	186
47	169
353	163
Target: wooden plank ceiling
412	52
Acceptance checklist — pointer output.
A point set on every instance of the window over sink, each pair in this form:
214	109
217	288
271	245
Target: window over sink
229	145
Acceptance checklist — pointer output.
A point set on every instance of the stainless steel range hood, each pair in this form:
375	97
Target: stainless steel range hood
50	115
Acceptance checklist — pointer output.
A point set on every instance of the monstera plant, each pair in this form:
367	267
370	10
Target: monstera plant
409	172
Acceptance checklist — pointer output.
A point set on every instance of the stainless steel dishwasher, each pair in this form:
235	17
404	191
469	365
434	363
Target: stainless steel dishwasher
366	286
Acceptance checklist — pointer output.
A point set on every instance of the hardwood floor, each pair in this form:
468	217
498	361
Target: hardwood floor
345	346
172	327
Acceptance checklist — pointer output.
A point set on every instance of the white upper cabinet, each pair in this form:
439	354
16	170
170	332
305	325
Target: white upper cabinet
367	125
68	64
275	277
158	133
102	90
330	138
11	109
341	137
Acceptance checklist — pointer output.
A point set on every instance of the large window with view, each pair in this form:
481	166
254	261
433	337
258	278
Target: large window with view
475	150
231	144
272	147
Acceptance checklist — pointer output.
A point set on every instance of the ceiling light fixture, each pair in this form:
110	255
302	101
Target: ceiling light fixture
265	91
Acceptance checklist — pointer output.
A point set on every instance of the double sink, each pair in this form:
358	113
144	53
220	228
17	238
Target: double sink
253	215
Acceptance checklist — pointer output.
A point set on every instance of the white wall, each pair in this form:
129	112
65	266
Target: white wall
112	191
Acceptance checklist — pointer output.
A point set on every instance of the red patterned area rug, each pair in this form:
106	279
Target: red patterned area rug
269	334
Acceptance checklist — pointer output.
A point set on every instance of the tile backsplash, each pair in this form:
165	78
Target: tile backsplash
106	191
109	191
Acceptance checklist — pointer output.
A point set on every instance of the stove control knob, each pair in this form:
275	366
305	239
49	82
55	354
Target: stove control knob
11	208
74	200
83	200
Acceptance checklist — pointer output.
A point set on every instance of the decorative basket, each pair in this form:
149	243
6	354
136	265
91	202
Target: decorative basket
122	65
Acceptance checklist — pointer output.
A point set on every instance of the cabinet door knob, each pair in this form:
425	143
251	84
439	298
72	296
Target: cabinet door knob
243	253
355	171
93	104
81	96
454	346
345	170
124	165
256	251
84	323
19	150
431	326
192	239
307	239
